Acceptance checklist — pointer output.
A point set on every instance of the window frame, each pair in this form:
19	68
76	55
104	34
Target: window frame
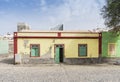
109	53
79	50
38	49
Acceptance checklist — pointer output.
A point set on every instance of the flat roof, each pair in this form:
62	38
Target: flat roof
55	31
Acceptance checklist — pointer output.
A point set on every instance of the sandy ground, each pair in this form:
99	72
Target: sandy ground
57	72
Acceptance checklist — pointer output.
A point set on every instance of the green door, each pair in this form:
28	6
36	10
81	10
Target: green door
35	51
57	55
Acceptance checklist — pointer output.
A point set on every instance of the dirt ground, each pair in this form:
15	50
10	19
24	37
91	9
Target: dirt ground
57	72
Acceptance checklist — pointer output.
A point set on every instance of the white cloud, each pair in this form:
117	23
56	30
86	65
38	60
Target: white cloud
75	14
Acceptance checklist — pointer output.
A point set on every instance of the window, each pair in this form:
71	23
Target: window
111	49
35	50
82	50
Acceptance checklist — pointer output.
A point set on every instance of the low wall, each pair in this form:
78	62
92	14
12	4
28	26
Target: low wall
38	60
113	60
82	60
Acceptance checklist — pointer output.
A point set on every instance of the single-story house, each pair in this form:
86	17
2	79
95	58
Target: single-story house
58	46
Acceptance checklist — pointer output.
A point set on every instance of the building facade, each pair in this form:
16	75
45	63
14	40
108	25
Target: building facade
4	47
60	46
110	44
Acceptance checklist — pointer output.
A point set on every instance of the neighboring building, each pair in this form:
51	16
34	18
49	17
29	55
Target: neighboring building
110	48
58	28
4	47
6	44
110	45
7	36
59	46
22	26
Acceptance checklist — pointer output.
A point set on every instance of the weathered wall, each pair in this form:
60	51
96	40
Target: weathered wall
70	44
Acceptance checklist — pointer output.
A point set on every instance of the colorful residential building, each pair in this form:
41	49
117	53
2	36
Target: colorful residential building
58	46
4	47
6	44
110	45
110	48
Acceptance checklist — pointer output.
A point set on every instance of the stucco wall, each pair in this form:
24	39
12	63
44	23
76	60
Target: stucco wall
70	50
52	34
109	37
4	46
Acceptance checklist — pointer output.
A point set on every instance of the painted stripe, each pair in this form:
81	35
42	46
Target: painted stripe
63	32
49	37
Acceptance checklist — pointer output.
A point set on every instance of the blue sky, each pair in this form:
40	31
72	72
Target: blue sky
45	14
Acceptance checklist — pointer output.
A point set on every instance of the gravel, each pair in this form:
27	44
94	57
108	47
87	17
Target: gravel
58	73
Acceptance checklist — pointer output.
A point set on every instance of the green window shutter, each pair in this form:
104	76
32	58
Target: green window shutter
32	52
36	52
82	50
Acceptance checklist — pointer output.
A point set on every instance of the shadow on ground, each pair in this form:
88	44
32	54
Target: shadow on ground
7	61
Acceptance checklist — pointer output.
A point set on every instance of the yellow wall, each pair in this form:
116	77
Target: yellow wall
71	46
64	34
37	34
80	34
